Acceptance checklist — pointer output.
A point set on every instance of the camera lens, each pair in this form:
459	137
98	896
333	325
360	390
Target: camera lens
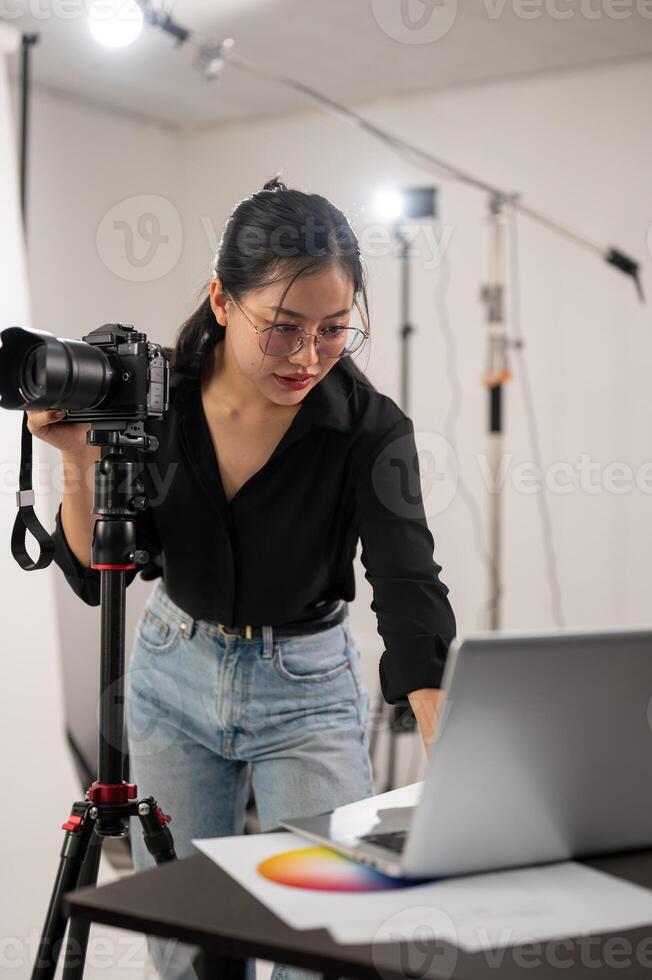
33	373
46	372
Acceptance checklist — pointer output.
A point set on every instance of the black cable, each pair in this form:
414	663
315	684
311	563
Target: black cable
517	341
450	423
27	41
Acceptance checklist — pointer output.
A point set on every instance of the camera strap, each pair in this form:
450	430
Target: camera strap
26	519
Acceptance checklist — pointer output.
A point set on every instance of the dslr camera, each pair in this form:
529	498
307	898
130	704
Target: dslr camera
113	378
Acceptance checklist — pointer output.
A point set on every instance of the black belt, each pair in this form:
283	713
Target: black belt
324	622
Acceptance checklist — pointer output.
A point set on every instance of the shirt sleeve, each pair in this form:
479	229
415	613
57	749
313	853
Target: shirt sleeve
85	582
415	618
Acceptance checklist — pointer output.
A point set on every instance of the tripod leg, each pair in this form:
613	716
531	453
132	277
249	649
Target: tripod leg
159	842
79	828
77	939
213	966
156	832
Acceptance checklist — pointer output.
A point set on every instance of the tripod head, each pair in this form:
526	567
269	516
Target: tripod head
119	493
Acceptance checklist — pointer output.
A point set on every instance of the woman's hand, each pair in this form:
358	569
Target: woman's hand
427	704
68	437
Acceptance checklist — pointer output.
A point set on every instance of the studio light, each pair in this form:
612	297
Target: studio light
392	204
115	23
389	204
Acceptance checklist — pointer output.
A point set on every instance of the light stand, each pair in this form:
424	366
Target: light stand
415	202
493	296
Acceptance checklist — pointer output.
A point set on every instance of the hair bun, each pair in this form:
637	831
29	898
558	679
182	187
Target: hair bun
274	184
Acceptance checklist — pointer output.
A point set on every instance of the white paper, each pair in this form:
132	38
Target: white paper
473	912
504	908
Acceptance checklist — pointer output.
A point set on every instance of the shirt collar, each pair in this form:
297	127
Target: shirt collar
330	400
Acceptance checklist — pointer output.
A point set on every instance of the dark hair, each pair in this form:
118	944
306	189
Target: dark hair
271	235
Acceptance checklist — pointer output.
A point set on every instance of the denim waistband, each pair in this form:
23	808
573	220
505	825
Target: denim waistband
188	624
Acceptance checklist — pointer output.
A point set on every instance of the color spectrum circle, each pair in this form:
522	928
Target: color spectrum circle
321	869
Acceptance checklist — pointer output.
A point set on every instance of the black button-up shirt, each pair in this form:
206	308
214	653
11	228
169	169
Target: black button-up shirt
282	550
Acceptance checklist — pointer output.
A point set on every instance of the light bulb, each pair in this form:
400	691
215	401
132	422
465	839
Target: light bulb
389	204
115	23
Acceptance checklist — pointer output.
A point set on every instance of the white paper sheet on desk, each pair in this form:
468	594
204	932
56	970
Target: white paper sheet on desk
473	912
299	907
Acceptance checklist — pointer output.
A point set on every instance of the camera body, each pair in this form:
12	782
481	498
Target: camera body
139	387
113	377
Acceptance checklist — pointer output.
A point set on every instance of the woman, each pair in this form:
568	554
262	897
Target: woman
244	665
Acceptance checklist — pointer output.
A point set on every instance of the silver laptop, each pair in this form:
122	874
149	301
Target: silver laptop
544	753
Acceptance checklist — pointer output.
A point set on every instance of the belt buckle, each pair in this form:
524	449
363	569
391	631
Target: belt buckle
248	632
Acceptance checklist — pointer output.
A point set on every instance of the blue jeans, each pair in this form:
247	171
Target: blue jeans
209	714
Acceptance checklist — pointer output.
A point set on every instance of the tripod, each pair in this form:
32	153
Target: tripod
110	800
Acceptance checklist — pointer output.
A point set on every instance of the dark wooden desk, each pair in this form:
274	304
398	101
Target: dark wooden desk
195	901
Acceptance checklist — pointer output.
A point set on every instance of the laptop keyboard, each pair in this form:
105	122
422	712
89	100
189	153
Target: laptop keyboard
393	841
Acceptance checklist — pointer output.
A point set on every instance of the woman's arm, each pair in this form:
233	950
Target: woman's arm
426	703
77	518
415	617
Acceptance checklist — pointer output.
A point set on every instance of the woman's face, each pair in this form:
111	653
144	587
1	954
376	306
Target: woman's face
315	301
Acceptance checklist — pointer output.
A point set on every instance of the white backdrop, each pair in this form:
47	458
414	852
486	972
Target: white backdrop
31	761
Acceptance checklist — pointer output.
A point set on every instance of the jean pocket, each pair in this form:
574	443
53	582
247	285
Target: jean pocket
355	659
312	656
157	634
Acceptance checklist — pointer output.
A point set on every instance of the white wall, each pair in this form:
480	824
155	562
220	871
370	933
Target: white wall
578	146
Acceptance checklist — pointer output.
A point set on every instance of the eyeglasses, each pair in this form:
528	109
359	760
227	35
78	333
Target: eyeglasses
287	338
